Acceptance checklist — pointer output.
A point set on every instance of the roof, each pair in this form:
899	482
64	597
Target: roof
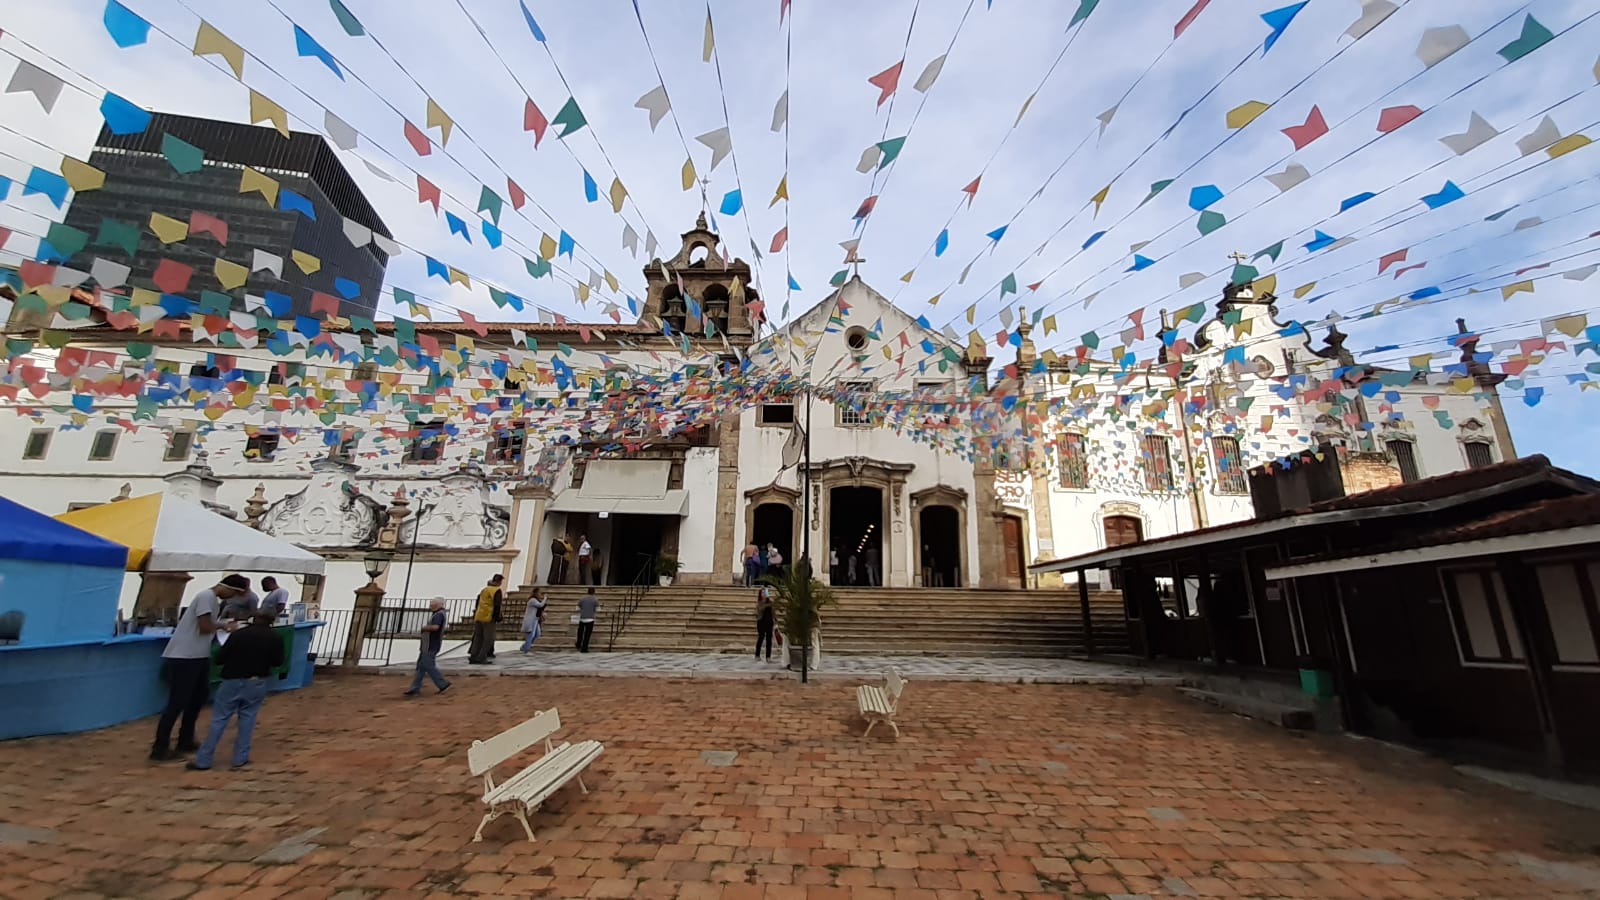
1545	515
34	536
1418	496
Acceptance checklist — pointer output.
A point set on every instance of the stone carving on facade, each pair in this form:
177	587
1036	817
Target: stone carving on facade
458	515
197	484
331	511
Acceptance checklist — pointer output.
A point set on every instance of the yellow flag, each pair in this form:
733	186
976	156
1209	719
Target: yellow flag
971	312
934	300
167	229
1100	198
465	344
263	109
143	297
1304	289
1245	113
1462	385
308	264
618	194
459	277
1566	145
1572	326
710	42
438	119
1024	110
1422	362
1266	423
688	174
908	276
1049	325
251	180
1511	290
547	246
230	274
81	176
583	292
209	40
1267	285
782	192
611	282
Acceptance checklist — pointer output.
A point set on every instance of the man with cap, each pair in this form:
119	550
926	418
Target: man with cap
247	660
188	662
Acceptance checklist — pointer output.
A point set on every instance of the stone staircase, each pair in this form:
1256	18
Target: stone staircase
914	621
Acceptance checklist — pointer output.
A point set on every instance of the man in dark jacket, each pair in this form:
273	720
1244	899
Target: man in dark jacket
248	659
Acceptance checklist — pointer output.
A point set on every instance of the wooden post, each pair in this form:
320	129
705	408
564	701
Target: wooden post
1083	608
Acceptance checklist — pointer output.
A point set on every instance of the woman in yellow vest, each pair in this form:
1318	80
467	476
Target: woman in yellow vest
483	619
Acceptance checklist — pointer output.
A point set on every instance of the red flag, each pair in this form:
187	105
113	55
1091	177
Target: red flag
170	276
418	140
472	322
205	223
779	239
971	190
1396	116
1402	271
866	207
517	196
533	120
1188	18
1314	128
887	81
1389	259
428	192
327	304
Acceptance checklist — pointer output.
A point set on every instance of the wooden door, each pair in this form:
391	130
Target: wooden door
1012	529
1123	530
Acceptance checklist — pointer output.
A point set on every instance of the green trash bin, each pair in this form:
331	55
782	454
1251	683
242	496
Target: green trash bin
1316	682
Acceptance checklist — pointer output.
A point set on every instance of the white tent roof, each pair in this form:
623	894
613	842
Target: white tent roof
191	538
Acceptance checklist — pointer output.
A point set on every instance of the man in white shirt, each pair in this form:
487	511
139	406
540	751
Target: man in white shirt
585	558
277	598
188	663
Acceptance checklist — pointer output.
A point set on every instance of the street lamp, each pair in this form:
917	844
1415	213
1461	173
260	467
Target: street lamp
376	562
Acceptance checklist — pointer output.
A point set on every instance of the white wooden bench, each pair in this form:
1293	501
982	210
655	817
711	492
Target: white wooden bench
878	703
523	792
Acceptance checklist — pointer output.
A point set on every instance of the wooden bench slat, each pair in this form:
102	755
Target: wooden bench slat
523	792
878	704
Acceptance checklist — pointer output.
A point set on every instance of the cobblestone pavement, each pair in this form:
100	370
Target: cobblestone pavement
850	667
752	788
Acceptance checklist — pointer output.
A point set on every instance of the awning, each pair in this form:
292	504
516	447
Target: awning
166	535
673	503
35	536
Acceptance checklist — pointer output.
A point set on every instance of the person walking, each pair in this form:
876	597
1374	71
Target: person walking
188	664
752	555
277	599
499	601
247	659
774	559
558	560
766	619
483	623
833	565
428	655
532	620
585	556
588	609
850	569
874	578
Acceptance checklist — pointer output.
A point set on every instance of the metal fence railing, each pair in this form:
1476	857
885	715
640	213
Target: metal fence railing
360	637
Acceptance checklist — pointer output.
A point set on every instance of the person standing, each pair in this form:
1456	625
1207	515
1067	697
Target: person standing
483	623
277	599
833	565
428	655
766	619
188	663
873	577
532	620
247	659
588	609
499	600
774	559
585	556
558	560
751	564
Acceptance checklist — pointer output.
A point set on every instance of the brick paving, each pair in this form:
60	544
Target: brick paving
761	789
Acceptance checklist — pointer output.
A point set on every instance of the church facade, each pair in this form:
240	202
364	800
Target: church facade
910	469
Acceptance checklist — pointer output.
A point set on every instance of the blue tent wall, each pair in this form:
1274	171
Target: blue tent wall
63	580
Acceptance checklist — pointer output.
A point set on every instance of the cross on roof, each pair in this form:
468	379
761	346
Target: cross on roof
1238	257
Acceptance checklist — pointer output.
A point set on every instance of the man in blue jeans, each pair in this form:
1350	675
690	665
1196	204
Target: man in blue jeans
248	659
428	656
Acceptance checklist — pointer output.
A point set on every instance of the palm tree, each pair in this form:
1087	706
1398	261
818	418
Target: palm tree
800	600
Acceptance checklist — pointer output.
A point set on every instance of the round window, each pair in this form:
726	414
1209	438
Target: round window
856	338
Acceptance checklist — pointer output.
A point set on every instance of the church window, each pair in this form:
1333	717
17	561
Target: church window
1405	457
1230	466
1155	462
1073	460
507	442
776	414
38	443
1484	628
365	371
179	444
1479	454
852	406
261	446
716	310
428	445
673	310
104	446
856	339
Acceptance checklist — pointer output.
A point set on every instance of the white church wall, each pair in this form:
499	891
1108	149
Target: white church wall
696	538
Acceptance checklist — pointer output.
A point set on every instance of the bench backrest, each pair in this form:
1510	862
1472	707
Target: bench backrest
485	755
893	685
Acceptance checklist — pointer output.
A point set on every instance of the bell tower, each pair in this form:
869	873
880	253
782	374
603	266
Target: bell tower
700	293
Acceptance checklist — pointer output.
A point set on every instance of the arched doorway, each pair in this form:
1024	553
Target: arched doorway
855	527
774	524
939	530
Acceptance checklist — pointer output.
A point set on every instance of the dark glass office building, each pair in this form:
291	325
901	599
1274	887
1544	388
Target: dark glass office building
140	181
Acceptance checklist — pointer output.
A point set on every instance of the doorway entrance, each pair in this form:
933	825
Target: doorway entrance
774	524
855	531
1011	529
939	529
635	542
1121	531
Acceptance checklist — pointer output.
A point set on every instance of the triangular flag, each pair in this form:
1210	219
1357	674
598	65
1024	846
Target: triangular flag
721	144
688	174
1534	36
656	103
81	176
780	112
1245	113
263	109
1278	20
1315	126
533	120
929	75
30	79
887	81
438	119
618	194
570	118
1100	198
251	180
710	44
209	40
782	192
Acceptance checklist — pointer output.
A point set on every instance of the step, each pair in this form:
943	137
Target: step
1295	718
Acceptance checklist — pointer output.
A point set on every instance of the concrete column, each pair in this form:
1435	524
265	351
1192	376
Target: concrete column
987	514
362	619
727	503
527	525
898	538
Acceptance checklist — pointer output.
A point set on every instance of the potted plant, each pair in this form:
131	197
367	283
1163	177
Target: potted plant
799	599
667	567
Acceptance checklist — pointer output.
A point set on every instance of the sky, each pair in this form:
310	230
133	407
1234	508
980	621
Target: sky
1044	110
